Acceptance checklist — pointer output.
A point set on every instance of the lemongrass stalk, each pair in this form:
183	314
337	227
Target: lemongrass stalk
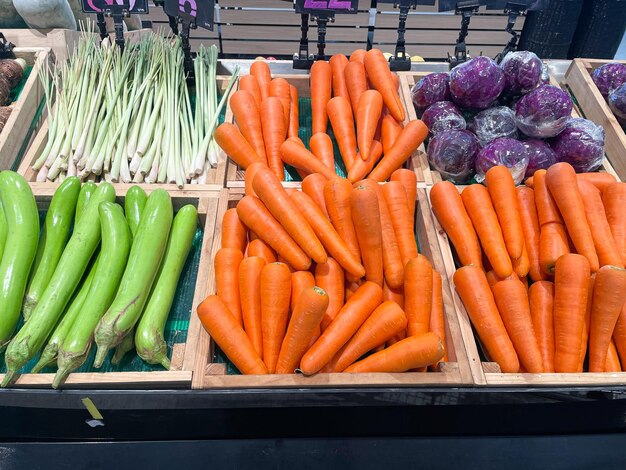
86	86
140	116
148	158
56	168
148	131
213	154
42	175
134	164
138	178
125	176
71	167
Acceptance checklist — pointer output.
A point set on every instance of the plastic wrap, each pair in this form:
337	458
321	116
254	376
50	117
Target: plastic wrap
442	116
617	103
503	151
453	154
493	123
543	112
477	83
581	145
522	72
430	89
43	14
609	77
9	18
540	156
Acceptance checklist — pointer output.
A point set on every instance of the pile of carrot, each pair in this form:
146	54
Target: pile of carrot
542	276
359	97
327	279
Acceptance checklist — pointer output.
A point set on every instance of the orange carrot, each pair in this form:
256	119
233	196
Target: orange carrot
609	296
437	322
410	353
275	299
356	82
234	233
342	120
294	112
248	120
305	319
366	220
408	141
361	168
257	218
483	216
271	192
552	245
408	179
530	182
261	70
249	176
346	323
614	199
512	301
299	281
599	179
587	325
390	131
619	335
251	84
541	297
321	87
612	359
472	286
394	294
280	88
274	133
379	76
313	186
229	336
235	145
502	191
418	295
358	55
449	210
395	197
571	284
262	250
338	63
330	277
350	288
250	294
547	211
227	262
563	185
322	147
521	265
300	158
532	232
367	117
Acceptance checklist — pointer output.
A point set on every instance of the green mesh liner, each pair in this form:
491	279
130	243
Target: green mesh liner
175	328
15	92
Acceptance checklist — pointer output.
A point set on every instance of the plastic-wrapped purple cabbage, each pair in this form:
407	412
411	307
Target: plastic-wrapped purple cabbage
540	156
543	112
522	72
430	89
442	116
581	145
477	83
493	123
609	77
452	153
502	151
617	103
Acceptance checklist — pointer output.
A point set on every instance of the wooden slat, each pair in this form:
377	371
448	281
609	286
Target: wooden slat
115	380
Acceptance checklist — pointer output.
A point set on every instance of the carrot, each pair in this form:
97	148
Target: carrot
609	296
552	245
356	83
367	116
250	84
349	319
280	88
395	197
512	301
342	120
563	185
521	265
350	288
530	182
234	233
299	281
305	319
329	237
408	141
337	197
379	76
612	359
501	188
614	199
366	220
294	112
587	325
472	286
408	179
619	334
493	279
410	353
248	120
338	63
483	216
229	336
227	262
250	294
284	261
274	133
300	158
330	277
600	180
394	294
358	55
235	145
257	218
322	147
450	211
541	297
361	168
437	322
418	295
271	192
390	131
383	324
275	299
571	284
249	176
532	232
313	186
321	86
547	211
261	71
262	250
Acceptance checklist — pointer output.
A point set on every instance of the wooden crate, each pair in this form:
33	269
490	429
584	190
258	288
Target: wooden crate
215	178
487	373
235	174
456	372
183	354
594	107
19	127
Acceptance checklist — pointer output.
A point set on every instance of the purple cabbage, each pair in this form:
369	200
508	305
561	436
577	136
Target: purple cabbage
543	112
522	72
502	151
493	123
581	145
477	83
609	77
617	103
453	153
442	116
540	155
430	89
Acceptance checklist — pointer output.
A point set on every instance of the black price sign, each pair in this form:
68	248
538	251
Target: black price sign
409	3
199	11
529	5
101	6
448	5
334	6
